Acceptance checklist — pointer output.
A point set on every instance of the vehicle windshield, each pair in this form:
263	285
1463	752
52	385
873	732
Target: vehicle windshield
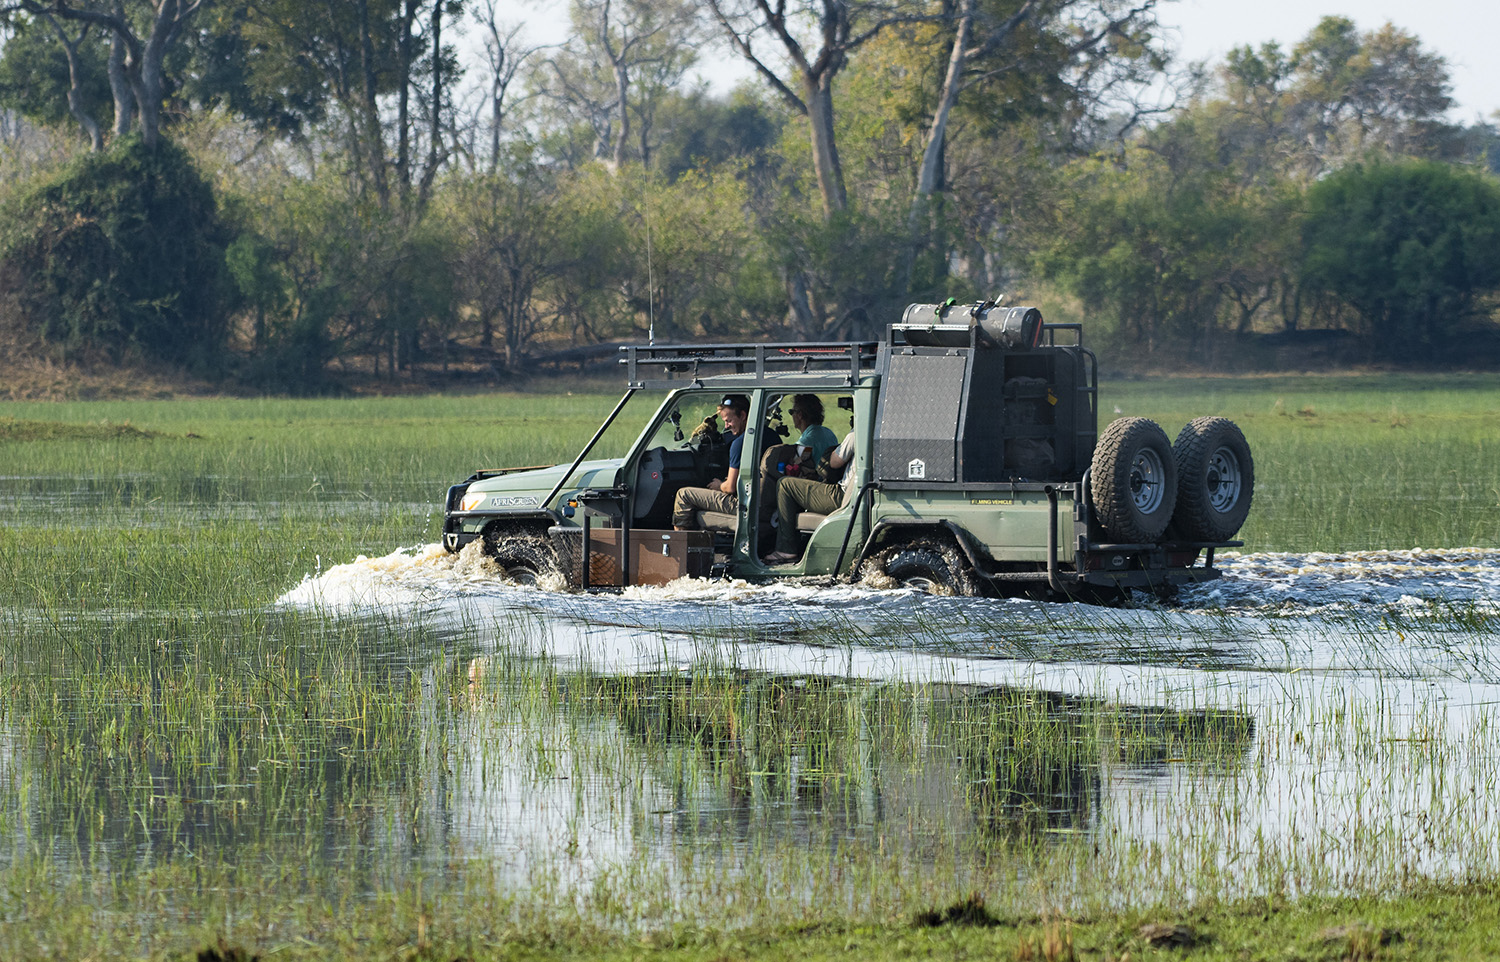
622	434
692	411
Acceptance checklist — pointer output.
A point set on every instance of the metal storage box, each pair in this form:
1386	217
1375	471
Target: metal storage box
656	556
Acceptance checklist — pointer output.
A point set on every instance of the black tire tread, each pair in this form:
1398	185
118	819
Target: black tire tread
511	552
942	561
1195	518
1110	481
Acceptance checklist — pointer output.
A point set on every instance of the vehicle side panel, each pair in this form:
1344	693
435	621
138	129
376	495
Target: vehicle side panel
1011	525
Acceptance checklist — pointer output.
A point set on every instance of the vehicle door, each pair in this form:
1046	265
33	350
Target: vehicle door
682	446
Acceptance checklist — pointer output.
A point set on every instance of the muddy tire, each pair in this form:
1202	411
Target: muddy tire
927	566
1133	481
525	559
1215	480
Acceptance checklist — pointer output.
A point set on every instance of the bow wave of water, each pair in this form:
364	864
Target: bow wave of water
1403	614
1264	581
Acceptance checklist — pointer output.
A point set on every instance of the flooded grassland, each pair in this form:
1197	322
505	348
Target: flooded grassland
244	695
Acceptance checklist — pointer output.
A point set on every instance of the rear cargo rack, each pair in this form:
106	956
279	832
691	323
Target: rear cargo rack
673	364
1049	334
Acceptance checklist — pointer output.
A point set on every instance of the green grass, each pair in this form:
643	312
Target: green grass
1346	463
233	501
13	430
1433	923
350	443
1342	463
180	761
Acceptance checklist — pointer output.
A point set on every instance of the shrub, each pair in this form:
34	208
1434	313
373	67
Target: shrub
121	251
1412	246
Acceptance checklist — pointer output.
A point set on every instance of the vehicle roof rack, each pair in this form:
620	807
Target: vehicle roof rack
819	364
966	335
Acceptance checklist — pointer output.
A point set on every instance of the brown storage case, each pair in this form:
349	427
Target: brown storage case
656	556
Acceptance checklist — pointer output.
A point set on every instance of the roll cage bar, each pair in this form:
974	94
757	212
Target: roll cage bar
664	367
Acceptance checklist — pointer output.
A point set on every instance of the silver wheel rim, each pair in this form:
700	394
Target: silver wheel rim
523	576
1223	479
1147	481
921	583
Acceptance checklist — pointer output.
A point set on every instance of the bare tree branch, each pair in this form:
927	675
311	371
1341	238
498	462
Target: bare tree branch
741	43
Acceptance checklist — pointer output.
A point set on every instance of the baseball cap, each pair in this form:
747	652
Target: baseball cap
736	401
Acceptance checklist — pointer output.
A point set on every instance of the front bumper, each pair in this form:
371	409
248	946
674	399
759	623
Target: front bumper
454	541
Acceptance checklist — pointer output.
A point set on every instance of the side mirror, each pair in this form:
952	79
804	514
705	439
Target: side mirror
846	403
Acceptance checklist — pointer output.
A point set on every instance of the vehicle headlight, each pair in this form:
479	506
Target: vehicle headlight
472	501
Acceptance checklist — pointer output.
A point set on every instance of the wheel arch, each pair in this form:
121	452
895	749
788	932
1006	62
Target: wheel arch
933	556
890	532
529	524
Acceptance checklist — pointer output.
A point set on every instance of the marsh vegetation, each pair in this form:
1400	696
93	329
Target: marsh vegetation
243	696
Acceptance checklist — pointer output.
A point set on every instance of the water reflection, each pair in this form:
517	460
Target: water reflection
174	745
563	743
377	752
1016	762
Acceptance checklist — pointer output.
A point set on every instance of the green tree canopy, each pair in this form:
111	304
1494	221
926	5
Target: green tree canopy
34	80
1412	246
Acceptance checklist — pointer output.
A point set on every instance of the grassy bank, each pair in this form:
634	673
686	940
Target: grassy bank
1435	924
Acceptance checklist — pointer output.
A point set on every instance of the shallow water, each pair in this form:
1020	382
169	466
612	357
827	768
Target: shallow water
1270	612
1351	698
1311	722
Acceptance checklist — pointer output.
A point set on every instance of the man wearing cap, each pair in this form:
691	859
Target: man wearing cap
720	495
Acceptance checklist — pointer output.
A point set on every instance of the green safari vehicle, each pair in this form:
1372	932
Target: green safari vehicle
978	469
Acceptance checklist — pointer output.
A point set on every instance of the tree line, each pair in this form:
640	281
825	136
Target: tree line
280	191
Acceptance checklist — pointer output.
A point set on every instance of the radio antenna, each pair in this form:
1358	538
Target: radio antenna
650	286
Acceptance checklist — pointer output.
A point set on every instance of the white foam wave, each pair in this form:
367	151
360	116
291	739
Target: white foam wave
738	590
1410	577
1403	578
425	574
1271	612
407	576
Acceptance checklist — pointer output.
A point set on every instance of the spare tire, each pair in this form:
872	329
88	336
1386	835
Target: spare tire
1133	480
1215	480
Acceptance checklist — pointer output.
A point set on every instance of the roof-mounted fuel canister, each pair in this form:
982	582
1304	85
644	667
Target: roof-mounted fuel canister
984	324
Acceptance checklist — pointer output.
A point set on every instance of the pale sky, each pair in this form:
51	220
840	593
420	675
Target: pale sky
1466	32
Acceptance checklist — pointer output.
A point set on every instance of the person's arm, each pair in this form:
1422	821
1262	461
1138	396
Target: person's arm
736	448
844	453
